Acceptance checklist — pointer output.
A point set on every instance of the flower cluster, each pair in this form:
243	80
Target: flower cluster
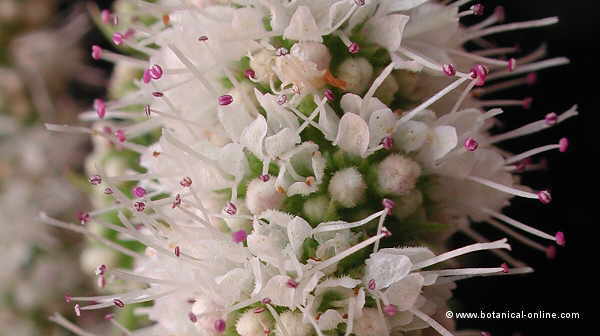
301	142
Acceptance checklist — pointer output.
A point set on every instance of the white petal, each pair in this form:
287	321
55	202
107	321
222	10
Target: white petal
234	120
328	122
298	230
302	188
351	102
254	135
233	160
444	140
386	30
318	165
303	26
411	135
381	124
277	116
405	292
386	268
402	5
329	320
353	134
279	292
281	142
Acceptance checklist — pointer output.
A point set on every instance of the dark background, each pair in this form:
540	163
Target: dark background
565	284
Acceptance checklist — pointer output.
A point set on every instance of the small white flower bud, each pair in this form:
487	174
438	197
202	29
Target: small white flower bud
387	90
312	52
406	205
294	325
397	175
262	64
263	196
357	72
369	324
253	324
407	82
315	208
347	187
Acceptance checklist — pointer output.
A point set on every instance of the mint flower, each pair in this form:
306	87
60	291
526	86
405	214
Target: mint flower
305	153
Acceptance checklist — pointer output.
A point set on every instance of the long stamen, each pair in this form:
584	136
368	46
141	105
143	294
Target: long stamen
503	188
499	244
433	323
530	68
560	146
509	27
522	226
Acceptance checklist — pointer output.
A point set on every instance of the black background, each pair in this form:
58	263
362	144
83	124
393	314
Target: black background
567	283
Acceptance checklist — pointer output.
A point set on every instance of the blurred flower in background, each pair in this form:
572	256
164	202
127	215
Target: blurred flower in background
40	60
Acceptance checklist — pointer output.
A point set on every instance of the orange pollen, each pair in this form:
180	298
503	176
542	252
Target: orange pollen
331	80
166	19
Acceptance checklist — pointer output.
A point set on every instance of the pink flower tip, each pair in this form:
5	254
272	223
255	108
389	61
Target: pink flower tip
250	74
372	284
390	309
109	317
329	95
139	192
512	64
239	236
146	77
479	72
359	3
354	48
388	204
551	118
560	238
505	268
118	38
478	9
186	182
193	318
203	38
264	177
544	196
551	252
500	13
531	78
291	283
471	144
220	325
265	301
225	100
563	145
95	179
68	298
139	206
449	69
100	107
96	52
83	217
387	142
486	333
156	71
230	209
177	251
120	134
527	103
106	16
119	303
77	310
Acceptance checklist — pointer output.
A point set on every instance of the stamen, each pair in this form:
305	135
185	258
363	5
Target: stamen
77	309
203	38
120	134
225	100
372	284
354	48
60	320
512	64
449	69
119	303
551	252
499	244
503	188
530	67
139	206
250	74
264	177
387	142
560	238
561	146
291	283
434	324
177	251
329	95
220	325
505	268
230	209
509	27
193	317
282	51
156	71
347	252
518	224
83	217
471	144
551	118
100	108
239	236
118	38
95	179
139	192
96	52
390	310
